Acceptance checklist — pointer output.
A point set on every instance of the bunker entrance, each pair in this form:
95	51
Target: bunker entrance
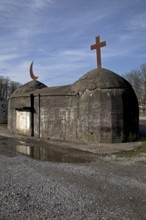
23	119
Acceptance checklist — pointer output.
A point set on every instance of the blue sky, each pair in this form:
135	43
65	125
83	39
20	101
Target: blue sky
57	35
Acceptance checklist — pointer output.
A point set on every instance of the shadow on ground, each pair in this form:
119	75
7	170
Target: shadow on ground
142	130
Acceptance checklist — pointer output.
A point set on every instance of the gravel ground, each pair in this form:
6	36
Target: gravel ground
109	188
105	188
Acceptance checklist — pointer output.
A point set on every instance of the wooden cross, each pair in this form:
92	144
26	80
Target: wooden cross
97	47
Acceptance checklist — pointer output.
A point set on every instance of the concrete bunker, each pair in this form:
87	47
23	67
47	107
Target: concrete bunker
101	107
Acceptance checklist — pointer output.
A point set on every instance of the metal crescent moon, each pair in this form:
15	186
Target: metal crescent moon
31	72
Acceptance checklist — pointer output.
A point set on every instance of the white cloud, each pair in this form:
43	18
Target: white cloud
39	4
138	22
8	57
58	34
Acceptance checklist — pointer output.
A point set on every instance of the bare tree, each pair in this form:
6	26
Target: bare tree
12	87
134	77
137	78
3	87
7	87
143	84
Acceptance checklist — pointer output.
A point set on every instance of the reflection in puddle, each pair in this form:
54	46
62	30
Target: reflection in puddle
46	154
24	149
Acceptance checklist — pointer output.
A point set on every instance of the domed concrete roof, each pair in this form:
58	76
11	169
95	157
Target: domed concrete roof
28	88
99	78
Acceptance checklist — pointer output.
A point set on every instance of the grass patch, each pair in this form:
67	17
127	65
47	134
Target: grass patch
133	153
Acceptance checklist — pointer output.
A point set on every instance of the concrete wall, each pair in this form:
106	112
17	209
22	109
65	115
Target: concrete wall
57	117
96	116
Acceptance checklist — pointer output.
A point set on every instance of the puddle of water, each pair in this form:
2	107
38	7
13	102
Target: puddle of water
46	154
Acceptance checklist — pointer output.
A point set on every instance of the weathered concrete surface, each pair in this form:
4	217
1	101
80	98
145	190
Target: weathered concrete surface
101	107
104	189
111	107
